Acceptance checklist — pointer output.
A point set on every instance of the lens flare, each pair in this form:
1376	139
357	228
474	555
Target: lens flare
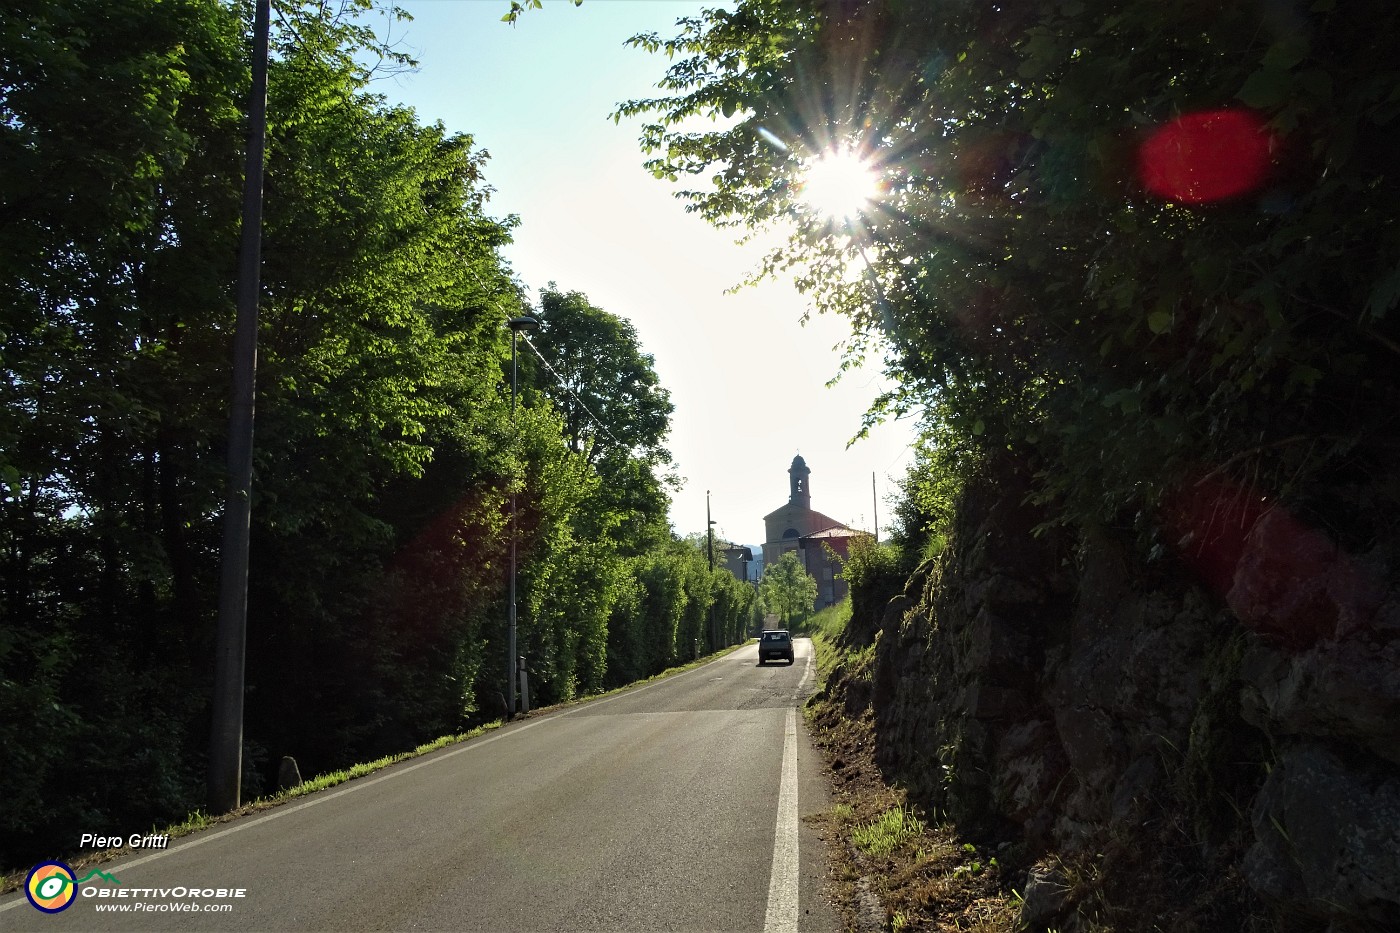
840	184
1205	157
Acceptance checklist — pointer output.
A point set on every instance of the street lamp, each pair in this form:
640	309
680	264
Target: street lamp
516	325
709	531
710	550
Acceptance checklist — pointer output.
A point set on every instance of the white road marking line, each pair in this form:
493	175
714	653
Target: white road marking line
806	670
351	787
781	916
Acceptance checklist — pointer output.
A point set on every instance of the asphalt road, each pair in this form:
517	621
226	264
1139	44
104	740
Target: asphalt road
675	806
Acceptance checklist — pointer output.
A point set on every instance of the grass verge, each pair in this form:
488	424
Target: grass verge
824	628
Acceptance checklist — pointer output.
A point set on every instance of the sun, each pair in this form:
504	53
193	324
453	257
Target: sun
840	184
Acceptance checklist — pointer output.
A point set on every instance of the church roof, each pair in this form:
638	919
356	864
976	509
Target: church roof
840	531
824	521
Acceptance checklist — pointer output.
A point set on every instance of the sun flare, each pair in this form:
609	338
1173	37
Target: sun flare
840	184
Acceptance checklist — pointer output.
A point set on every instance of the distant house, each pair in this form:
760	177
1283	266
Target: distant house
821	542
739	560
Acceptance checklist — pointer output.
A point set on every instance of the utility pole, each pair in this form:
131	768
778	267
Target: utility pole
709	531
224	780
710	550
516	325
875	504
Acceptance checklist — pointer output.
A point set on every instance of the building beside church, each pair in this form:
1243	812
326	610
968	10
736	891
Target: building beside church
739	560
821	542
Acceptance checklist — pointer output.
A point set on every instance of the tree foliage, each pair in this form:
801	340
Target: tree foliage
1035	288
385	451
787	590
518	8
601	381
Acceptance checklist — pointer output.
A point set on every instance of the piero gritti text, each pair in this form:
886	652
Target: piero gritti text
134	841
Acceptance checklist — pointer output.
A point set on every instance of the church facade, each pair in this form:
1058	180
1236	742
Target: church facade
820	541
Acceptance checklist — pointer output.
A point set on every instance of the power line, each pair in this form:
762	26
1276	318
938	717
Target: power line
567	388
901	454
492	296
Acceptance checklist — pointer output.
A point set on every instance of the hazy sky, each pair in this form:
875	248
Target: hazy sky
746	378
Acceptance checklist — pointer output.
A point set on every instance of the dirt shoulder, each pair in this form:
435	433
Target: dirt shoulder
896	867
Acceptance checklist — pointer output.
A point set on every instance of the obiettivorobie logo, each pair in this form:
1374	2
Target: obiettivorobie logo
52	886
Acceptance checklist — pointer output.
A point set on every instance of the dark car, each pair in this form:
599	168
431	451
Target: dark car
775	644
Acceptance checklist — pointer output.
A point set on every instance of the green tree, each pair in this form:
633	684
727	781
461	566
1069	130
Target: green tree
734	603
1031	290
616	415
606	387
787	590
117	123
661	576
384	450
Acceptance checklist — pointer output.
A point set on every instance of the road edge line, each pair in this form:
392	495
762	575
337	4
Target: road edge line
782	912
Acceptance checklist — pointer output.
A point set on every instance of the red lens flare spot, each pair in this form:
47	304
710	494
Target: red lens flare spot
1205	157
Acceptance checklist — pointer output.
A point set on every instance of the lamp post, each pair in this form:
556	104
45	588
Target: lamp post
516	325
709	531
710	550
875	506
225	776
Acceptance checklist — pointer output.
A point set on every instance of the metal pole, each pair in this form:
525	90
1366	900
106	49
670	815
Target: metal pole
516	325
710	550
709	531
230	639
510	639
875	504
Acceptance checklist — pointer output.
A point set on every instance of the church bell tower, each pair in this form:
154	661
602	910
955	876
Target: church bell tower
800	483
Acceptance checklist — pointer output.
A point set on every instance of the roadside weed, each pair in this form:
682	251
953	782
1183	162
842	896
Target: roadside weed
885	834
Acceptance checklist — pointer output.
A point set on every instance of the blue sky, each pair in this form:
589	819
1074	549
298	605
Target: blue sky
746	377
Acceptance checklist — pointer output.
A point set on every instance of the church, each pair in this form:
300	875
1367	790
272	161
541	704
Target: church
798	527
